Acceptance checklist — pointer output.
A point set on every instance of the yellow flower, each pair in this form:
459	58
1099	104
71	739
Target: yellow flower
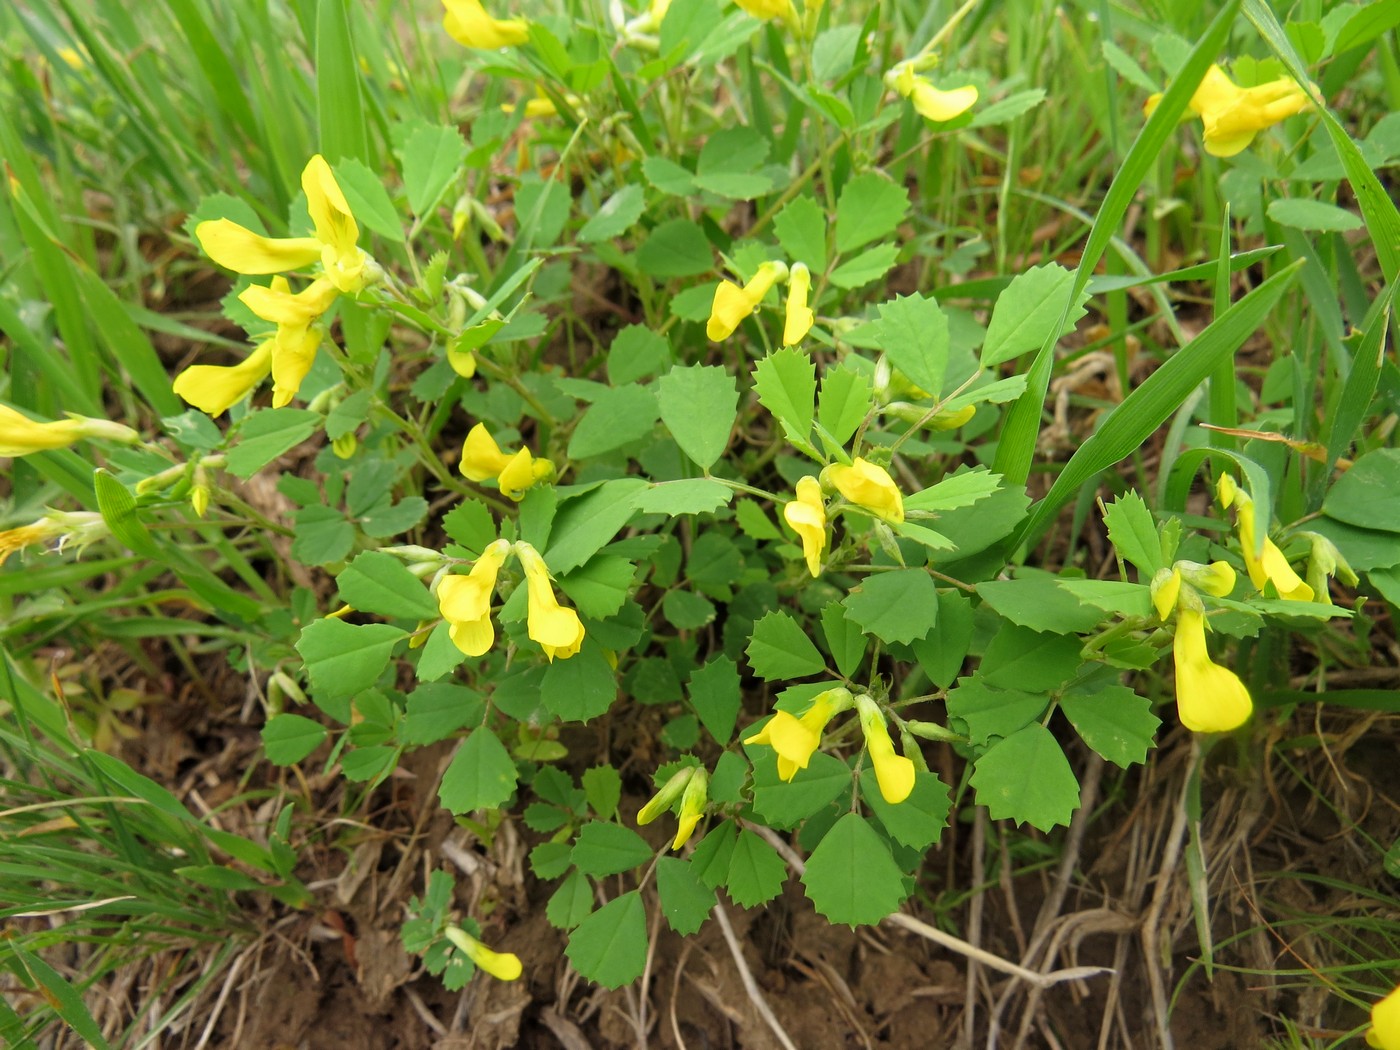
732	304
667	797
243	251
20	435
692	807
1233	115
1209	698
514	472
766	9
797	739
81	527
1266	564
1384	1033
504	966
807	516
868	486
294	347
931	102
465	601
468	23
798	317
894	773
214	389
556	627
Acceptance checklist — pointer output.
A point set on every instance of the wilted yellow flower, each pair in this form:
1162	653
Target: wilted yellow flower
80	527
465	601
468	23
798	317
1266	564
1384	1033
515	472
20	435
869	486
1209	698
807	516
1233	115
797	739
214	389
894	773
930	102
556	627
504	966
732	304
243	251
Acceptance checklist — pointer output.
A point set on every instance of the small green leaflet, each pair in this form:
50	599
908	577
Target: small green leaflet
870	207
843	638
698	405
687	496
756	872
851	878
685	900
620	416
780	648
1026	778
918	821
914	335
1133	534
1027	311
846	399
288	738
609	849
379	583
785	804
610	946
677	248
868	266
581	687
342	658
602	786
571	903
899	606
266	434
714	692
618	214
432	157
984	714
801	230
1114	721
787	385
480	776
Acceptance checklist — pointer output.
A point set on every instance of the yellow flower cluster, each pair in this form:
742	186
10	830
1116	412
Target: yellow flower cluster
862	483
1233	115
733	303
290	353
465	603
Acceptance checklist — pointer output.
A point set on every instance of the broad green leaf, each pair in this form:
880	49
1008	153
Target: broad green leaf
780	648
636	353
711	858
801	230
549	860
846	398
610	946
756	872
914	336
609	849
870	207
786	384
266	434
470	523
369	201
851	878
1364	549
387	518
432	157
439	654
603	788
843	638
685	900
942	652
677	248
436	710
1368	495
1313	215
618	214
343	659
581	687
1114	721
1026	778
1040	603
571	903
919	820
481	775
1030	311
686	610
288	738
785	804
898	606
1018	658
618	417
1133	533
954	491
599	589
1007	109
715	694
542	208
686	496
362	765
698	405
379	583
982	713
869	265
587	523
668	176
727	164
322	536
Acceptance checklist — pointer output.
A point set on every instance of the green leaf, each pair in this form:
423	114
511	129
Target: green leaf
387	518
620	416
636	353
1030	311
711	858
982	713
323	535
870	207
1008	109
65	999
685	900
599	589
287	738
1018	658
368	764
369	201
344	658
266	434
955	491
687	496
1114	721
571	903
581	687
846	399
379	583
585	524
715	695
677	248
432	157
754	521
338	106
843	638
348	415
610	946
851	878
1133	534
686	610
609	849
868	266
756	872
780	648
618	214
549	860
728	162
439	654
919	820
470	524
942	652
801	230
1040	603
1026	778
786	384
436	710
602	786
1313	215
785	804
913	332
898	606
698	405
1368	495
668	176
480	776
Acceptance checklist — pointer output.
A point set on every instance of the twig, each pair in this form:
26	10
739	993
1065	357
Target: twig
750	985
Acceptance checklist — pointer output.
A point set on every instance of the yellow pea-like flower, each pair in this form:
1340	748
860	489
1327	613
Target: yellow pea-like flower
797	739
692	809
868	486
894	773
931	102
465	601
1265	564
80	527
20	435
214	389
798	316
1209	698
1384	1033
766	9
807	516
556	627
504	966
1233	115
732	303
515	472
468	23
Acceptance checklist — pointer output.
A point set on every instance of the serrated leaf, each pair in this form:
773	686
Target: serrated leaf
711	858
600	588
1040	603
288	738
869	265
1133	533
1027	312
687	611
1026	778
715	694
581	687
786	384
610	946
699	404
1019	658
549	860
687	496
436	710
756	872
619	416
618	214
343	658
587	523
386	519
785	804
801	230
851	878
635	353
954	491
780	648
369	201
677	248
379	583
571	903
942	652
845	400
609	849
919	820
602	786
322	535
266	434
470	523
898	606
1114	721
755	522
685	900
870	207
1007	109
480	776
668	176
914	335
984	713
